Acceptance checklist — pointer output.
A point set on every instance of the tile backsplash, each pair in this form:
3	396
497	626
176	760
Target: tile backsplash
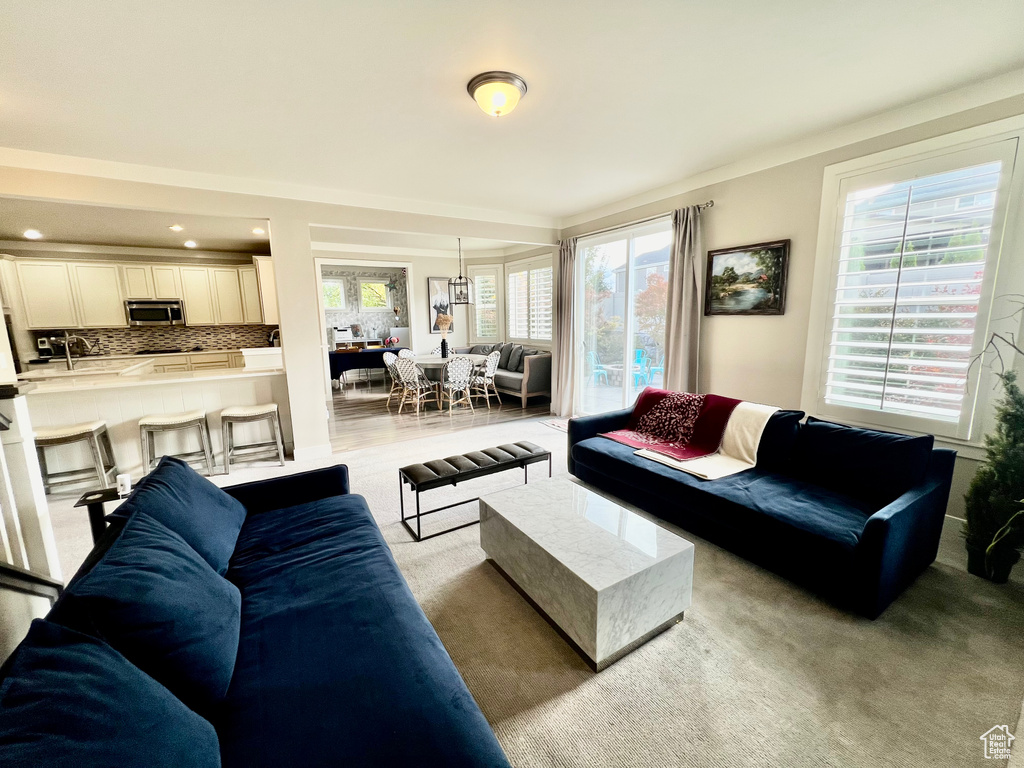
128	341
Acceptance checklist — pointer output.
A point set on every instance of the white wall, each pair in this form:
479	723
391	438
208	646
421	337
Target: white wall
762	358
420	268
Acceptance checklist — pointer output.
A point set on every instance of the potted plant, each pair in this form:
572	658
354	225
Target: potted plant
994	526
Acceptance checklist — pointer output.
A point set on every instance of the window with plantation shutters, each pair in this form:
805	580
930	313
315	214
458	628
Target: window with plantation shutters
486	307
913	247
529	300
540	303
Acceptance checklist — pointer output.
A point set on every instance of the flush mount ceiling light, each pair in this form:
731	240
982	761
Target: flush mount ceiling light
259	231
32	234
190	243
497	93
175	227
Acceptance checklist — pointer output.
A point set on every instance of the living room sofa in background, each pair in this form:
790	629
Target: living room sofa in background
853	514
263	626
522	371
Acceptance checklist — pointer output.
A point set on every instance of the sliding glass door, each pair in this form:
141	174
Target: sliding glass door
621	294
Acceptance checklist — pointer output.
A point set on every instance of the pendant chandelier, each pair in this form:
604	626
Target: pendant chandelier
460	289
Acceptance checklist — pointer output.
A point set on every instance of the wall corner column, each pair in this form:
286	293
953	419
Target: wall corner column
295	274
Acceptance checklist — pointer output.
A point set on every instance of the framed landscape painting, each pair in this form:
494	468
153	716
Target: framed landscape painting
750	280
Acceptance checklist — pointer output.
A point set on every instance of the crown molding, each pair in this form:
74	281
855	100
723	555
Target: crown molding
1003	86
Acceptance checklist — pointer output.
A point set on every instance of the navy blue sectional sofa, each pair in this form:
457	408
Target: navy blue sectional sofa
263	626
854	514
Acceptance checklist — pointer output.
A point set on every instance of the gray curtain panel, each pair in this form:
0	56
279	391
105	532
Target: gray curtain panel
564	346
685	308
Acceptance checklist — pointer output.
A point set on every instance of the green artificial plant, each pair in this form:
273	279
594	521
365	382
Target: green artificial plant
994	526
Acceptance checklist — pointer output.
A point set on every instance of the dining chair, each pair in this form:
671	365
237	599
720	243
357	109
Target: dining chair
482	384
406	353
416	387
456	377
390	358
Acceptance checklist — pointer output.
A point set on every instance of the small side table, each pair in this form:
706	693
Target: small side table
93	502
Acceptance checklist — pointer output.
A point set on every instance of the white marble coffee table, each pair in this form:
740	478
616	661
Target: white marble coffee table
608	578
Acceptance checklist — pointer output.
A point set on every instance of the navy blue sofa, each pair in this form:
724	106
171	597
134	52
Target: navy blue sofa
853	514
267	625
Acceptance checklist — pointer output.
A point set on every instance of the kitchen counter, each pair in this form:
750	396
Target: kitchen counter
162	354
73	383
121	400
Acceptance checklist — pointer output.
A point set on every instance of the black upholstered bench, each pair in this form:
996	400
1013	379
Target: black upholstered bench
457	469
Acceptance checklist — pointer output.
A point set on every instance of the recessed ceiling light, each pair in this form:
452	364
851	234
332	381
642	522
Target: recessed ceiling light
190	243
175	227
259	231
497	93
32	234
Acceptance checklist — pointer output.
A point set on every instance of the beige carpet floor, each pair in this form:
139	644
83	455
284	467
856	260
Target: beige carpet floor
760	672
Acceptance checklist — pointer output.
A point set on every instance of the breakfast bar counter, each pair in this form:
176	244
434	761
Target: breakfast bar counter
121	400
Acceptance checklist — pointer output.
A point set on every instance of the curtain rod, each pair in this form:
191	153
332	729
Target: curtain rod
701	207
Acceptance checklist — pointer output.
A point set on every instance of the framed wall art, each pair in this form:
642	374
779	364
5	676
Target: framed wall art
749	280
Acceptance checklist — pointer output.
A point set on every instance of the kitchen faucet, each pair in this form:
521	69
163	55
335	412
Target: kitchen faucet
68	338
274	334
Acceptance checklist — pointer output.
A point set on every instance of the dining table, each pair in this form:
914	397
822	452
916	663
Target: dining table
433	365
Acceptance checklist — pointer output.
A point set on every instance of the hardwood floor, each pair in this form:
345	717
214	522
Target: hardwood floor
359	417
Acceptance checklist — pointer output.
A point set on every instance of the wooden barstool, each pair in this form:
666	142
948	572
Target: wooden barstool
174	422
104	468
241	414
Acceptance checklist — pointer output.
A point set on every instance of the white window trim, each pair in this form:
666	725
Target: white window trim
1001	277
519	266
388	307
498	271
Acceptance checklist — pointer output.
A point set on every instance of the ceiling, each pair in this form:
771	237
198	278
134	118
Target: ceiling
99	225
369	97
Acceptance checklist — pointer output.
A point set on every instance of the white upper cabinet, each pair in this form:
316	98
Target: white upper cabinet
166	282
227	295
46	292
100	301
70	294
268	289
195	292
138	281
250	284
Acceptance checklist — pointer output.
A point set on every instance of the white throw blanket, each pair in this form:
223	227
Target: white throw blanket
739	445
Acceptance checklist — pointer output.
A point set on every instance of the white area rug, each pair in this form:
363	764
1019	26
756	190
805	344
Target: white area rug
759	673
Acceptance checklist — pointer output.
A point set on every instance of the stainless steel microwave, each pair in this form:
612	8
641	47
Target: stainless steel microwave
161	312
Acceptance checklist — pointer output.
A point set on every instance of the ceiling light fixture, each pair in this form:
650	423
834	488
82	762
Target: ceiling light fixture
32	234
259	231
190	243
497	93
460	289
175	227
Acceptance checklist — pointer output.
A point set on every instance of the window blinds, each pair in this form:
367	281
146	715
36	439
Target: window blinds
912	259
529	300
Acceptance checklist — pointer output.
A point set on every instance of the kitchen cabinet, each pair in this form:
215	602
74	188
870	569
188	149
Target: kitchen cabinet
198	298
138	281
166	282
47	295
227	295
98	290
268	288
236	360
208	362
250	285
171	364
